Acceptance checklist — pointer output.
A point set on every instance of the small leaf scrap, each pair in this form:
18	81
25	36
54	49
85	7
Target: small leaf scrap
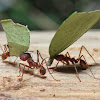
71	30
18	37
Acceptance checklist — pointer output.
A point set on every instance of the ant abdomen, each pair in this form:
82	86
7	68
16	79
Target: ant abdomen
83	64
42	70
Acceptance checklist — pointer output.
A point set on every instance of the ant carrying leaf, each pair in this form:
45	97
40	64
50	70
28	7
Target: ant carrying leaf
70	31
66	59
18	39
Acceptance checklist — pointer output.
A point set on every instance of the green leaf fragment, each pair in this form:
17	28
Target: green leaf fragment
18	37
71	30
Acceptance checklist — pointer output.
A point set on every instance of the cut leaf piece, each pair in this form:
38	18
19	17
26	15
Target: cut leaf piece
18	37
71	30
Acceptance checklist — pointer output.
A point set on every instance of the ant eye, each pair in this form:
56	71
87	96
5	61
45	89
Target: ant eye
42	71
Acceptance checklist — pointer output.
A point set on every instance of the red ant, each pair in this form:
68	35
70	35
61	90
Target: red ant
5	52
32	64
66	59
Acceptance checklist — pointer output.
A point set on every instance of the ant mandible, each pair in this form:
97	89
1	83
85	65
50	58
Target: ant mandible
65	59
32	64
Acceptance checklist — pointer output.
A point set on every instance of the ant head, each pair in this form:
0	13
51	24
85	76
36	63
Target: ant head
25	56
42	70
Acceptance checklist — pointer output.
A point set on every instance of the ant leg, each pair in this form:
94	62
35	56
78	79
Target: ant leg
23	68
20	71
19	68
23	72
87	52
1	48
15	60
55	67
38	54
5	47
42	61
63	63
67	54
76	72
88	66
49	70
38	57
73	65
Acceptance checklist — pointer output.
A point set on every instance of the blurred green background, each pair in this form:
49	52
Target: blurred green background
44	14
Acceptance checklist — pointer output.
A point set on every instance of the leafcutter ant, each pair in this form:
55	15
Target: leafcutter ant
33	64
65	59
